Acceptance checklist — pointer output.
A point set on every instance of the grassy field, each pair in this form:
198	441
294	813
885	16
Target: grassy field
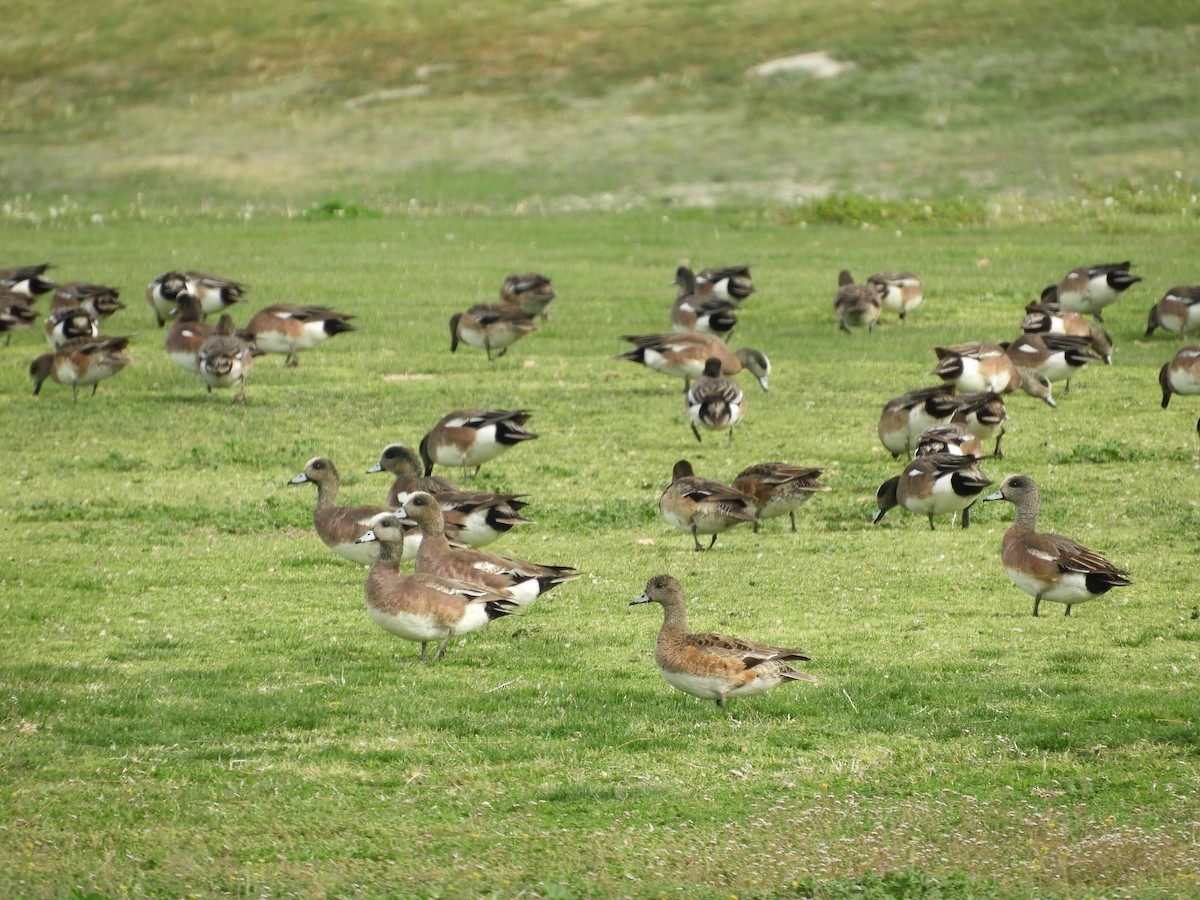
194	701
197	704
585	104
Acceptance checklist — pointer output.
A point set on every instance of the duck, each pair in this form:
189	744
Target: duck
949	437
215	292
899	292
980	366
27	281
475	518
1056	356
68	324
683	354
531	291
420	607
705	313
406	468
1088	289
161	295
340	527
778	488
984	415
523	580
1049	566
712	666
187	334
1181	375
225	359
906	416
704	506
471	437
856	305
490	327
82	361
16	314
714	401
730	283
1178	311
98	299
934	485
289	328
1052	318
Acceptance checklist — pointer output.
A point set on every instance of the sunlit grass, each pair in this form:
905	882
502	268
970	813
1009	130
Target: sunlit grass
197	702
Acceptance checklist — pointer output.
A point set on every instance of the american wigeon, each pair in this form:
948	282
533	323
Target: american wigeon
1088	289
1050	566
1177	311
406	469
1053	318
703	506
979	366
16	314
420	607
1056	356
69	324
98	299
730	283
950	437
856	305
906	416
340	527
531	291
26	281
215	292
82	361
187	334
225	359
523	580
471	437
684	353
899	292
705	313
476	518
292	327
984	415
1181	375
162	292
713	666
491	327
714	401
778	488
934	485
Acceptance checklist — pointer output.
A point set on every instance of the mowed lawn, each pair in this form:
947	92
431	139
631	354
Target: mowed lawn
195	703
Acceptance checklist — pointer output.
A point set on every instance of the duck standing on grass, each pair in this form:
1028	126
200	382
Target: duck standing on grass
713	666
525	581
421	607
704	506
1050	566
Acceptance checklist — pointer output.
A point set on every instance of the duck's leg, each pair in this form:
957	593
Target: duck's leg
442	646
792	514
1068	612
966	523
713	541
1037	601
931	528
697	434
293	359
696	539
424	646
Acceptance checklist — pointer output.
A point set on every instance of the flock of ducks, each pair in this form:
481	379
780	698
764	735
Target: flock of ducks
456	588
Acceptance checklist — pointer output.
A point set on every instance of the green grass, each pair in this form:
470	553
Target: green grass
587	104
196	703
